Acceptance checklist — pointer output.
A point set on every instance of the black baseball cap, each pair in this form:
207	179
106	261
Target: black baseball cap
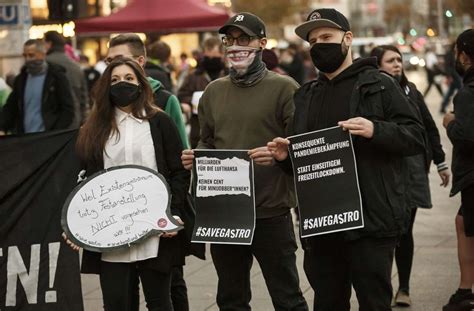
331	18
465	42
249	23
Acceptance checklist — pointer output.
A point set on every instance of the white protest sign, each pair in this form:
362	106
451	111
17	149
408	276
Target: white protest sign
222	177
118	207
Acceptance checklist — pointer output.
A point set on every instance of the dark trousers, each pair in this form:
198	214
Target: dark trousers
453	86
333	264
118	283
467	210
430	76
274	247
179	291
404	256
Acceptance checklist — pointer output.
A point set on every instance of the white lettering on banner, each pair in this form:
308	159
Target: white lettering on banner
29	278
16	270
320	149
330	220
223	233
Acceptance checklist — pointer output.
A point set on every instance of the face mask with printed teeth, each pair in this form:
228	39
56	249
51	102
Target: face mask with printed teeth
241	57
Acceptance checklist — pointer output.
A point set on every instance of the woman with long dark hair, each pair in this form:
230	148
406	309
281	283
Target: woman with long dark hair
389	60
125	127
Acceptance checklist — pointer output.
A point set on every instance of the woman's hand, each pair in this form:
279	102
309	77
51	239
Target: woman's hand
172	234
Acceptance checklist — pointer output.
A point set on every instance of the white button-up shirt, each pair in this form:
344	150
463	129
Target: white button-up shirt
134	145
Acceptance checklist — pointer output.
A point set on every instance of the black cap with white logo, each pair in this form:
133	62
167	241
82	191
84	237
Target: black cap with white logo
322	18
249	23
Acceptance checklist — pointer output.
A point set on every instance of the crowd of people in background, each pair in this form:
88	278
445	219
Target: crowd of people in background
143	87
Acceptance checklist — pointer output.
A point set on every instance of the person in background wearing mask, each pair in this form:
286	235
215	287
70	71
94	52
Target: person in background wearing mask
90	73
41	96
460	129
389	59
243	110
122	122
209	68
384	129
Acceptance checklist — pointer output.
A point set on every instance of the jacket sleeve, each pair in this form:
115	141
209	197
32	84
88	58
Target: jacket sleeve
431	130
401	131
288	113
206	122
178	176
66	102
173	109
461	129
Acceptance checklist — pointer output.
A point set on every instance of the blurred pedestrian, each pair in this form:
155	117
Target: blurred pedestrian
243	111
124	99
270	59
389	59
432	70
455	81
156	65
357	97
41	96
292	62
460	129
55	44
210	67
90	73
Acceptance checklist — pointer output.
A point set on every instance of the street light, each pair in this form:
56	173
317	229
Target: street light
449	14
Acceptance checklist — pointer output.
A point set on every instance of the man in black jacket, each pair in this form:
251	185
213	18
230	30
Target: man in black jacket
460	129
371	106
41	99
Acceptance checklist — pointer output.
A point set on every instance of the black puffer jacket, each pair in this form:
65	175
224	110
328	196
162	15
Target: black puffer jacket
461	133
397	133
434	150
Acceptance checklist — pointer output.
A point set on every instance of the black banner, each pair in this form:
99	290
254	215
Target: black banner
326	182
223	188
38	271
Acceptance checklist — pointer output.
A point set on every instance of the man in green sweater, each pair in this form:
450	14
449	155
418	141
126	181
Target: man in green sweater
242	111
130	45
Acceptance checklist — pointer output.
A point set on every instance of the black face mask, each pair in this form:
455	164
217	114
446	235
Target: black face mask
328	57
123	93
459	68
212	64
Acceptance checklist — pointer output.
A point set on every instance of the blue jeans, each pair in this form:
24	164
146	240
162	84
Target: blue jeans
274	247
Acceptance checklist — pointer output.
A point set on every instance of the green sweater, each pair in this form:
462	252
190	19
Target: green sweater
233	117
173	109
